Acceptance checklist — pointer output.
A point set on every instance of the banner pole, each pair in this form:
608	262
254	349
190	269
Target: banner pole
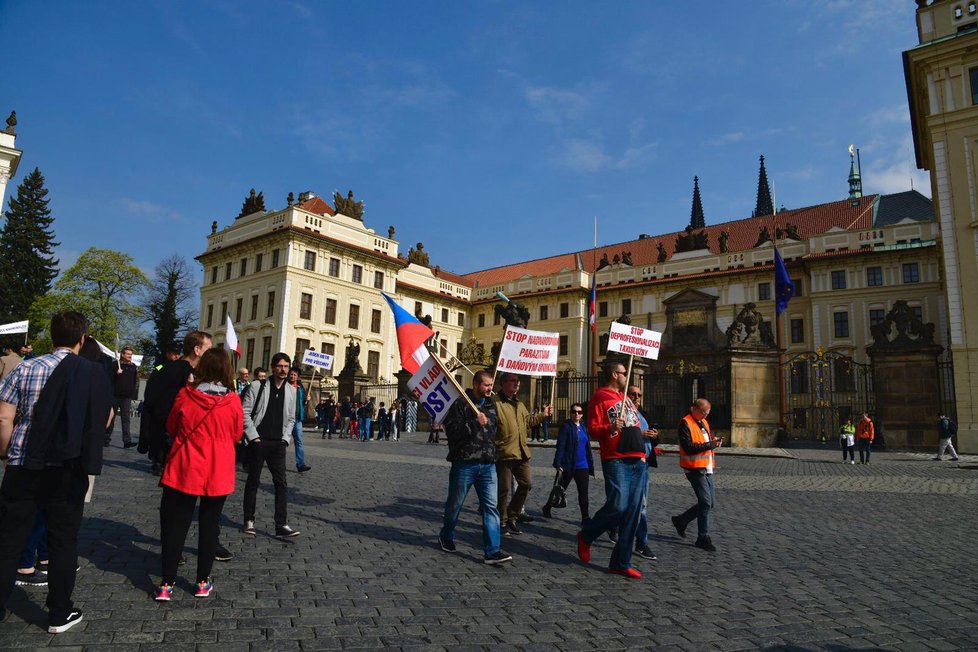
454	382
628	381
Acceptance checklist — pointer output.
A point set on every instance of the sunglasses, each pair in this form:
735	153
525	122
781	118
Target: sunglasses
577	411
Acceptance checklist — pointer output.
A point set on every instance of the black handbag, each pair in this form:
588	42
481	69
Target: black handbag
557	497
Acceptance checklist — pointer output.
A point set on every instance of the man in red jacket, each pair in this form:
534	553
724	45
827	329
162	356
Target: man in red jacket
613	420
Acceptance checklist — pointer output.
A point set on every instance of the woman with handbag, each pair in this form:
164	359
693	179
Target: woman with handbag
573	460
205	422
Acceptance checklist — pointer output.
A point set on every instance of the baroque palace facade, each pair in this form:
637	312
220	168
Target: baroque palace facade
310	275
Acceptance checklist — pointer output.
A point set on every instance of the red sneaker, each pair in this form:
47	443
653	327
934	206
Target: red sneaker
630	573
583	548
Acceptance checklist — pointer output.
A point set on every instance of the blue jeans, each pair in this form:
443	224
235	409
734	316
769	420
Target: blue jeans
642	531
864	446
300	452
461	478
625	482
365	428
705	490
36	549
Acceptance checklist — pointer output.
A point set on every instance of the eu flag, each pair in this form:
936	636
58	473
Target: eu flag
784	289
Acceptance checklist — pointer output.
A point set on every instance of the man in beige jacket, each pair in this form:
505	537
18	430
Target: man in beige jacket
512	436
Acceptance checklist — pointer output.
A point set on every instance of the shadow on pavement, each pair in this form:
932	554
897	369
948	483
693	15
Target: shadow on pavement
111	546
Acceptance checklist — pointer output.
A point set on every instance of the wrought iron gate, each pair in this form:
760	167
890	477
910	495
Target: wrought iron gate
671	388
822	389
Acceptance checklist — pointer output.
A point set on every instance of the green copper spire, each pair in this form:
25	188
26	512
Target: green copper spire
855	179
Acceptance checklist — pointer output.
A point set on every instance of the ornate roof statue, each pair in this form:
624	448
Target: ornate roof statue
418	256
626	257
11	123
604	262
213	227
910	331
513	313
352	361
722	240
348	206
390	232
750	330
763	236
662	254
789	231
473	354
616	260
253	203
290	199
690	241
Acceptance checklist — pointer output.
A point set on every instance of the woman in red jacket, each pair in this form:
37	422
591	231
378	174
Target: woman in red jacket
205	422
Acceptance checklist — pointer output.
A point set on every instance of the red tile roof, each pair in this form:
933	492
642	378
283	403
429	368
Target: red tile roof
811	220
451	277
318	206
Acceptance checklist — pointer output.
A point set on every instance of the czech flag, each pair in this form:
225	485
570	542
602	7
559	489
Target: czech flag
231	338
411	336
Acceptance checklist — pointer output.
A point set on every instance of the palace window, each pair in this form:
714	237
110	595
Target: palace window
237	309
329	349
210	314
418	308
482	320
334	267
874	276
563	345
444	315
244	266
876	317
911	273
266	350
250	352
763	291
839	279
227	272
461	319
602	309
274	258
798	287
841	320
270	307
224	310
357	274
330	317
373	364
354	321
626	306
564	310
254	307
310	262
797	331
301	346
258	260
974	85
544	313
213	275
379	280
305	306
375	321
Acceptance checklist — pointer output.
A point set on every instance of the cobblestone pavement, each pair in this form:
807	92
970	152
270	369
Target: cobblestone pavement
812	555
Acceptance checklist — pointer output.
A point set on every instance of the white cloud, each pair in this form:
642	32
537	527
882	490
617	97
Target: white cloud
729	138
149	211
555	105
583	156
894	169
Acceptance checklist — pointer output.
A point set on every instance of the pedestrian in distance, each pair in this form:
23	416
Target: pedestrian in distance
206	422
865	434
698	460
300	415
946	429
573	459
847	441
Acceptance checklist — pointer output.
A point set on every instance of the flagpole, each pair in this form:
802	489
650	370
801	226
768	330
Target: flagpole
782	397
593	356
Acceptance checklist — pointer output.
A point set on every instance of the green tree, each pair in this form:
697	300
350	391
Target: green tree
103	285
27	262
169	304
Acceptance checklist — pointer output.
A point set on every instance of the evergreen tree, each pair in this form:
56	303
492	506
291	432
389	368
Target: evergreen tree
27	262
169	304
252	203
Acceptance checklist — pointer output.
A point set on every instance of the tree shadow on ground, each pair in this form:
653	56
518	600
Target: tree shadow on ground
114	547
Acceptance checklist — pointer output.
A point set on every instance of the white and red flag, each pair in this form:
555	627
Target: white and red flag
231	338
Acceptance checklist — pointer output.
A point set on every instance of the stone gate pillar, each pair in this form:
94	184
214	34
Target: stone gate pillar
906	379
755	410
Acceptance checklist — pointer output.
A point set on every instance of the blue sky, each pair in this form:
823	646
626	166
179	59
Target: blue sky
493	131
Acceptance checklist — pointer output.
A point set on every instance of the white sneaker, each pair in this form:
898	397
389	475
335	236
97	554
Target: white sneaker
852	461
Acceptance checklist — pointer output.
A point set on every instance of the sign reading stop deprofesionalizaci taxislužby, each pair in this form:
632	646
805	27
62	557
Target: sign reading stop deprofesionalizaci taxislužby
633	340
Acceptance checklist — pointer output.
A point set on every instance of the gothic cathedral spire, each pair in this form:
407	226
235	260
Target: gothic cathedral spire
696	218
764	204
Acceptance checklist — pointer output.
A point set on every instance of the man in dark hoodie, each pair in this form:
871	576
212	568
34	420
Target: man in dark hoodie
63	403
125	387
472	451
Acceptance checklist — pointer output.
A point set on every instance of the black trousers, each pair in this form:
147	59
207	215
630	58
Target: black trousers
60	493
580	478
123	409
176	513
272	454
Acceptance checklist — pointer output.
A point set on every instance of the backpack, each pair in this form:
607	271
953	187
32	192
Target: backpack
952	428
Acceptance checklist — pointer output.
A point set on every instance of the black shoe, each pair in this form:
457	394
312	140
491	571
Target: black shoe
222	554
645	552
524	518
58	626
705	544
105	444
512	529
499	557
303	468
447	546
37	578
157	469
3	614
129	444
285	532
680	528
546	512
181	561
248	528
613	535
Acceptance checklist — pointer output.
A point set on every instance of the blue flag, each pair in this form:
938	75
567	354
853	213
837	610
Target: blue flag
784	289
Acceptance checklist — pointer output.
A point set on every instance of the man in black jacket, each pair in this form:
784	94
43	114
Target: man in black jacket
125	385
63	402
472	451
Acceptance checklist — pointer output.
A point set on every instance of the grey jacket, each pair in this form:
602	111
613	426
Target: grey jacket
249	406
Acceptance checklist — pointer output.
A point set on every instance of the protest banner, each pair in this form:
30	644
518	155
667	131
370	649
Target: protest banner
633	340
434	389
317	359
531	353
14	327
136	359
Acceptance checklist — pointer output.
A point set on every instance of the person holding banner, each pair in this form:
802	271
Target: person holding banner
471	441
124	376
512	444
613	421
